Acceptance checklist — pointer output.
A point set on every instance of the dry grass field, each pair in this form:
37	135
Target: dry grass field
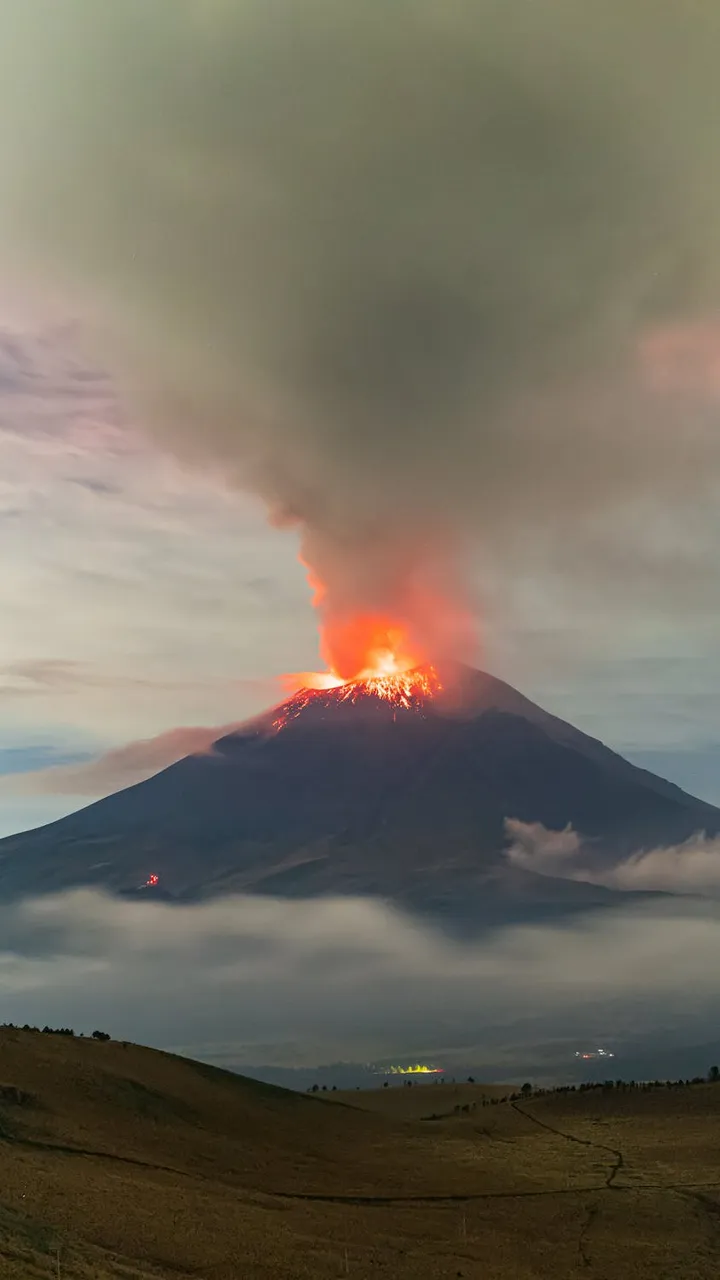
420	1101
125	1163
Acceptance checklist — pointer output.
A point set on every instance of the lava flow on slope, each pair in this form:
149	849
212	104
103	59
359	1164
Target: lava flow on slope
369	657
403	690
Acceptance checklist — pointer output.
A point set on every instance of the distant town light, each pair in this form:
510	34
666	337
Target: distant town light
415	1069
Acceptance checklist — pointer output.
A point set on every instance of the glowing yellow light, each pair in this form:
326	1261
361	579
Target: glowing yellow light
418	1069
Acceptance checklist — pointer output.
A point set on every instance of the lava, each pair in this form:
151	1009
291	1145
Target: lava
377	654
369	656
404	690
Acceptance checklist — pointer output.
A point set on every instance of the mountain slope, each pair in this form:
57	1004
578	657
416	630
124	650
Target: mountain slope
358	795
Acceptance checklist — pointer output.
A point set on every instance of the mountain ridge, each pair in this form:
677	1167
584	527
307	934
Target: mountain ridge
357	795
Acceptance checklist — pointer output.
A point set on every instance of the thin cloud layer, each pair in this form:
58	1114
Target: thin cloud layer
346	977
117	768
692	867
134	595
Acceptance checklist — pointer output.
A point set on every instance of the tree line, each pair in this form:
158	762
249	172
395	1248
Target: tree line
54	1031
528	1090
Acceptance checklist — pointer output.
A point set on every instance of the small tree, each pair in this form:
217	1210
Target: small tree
526	1089
714	1074
100	1035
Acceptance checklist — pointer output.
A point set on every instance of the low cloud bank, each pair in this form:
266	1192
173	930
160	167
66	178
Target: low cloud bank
692	867
349	978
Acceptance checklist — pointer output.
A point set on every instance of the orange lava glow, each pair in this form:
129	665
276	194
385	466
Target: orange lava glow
368	647
379	653
403	690
365	648
373	657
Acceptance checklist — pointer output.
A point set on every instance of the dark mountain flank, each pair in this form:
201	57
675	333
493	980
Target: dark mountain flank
340	792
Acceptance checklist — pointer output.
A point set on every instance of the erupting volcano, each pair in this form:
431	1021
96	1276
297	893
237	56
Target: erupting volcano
394	655
394	784
391	774
388	671
402	690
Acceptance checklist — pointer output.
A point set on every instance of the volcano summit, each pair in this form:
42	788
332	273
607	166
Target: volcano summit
400	792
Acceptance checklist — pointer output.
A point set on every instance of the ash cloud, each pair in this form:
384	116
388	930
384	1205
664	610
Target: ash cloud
416	274
349	976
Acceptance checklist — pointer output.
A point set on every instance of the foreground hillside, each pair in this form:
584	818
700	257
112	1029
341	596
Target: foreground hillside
117	1161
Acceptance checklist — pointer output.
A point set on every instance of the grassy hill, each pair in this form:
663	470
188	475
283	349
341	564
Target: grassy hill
123	1162
420	1101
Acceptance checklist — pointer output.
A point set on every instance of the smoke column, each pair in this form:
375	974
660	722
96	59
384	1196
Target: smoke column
402	269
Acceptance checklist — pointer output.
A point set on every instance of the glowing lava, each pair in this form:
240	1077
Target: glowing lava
404	690
373	654
389	671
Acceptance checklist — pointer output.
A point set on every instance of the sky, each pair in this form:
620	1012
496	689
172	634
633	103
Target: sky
136	597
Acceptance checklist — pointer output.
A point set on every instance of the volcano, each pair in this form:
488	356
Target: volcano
397	788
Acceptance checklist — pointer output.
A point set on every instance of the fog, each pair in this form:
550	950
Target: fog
692	867
295	983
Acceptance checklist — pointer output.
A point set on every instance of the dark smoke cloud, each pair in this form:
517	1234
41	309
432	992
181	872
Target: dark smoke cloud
414	272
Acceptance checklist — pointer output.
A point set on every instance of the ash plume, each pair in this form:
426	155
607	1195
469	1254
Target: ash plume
411	272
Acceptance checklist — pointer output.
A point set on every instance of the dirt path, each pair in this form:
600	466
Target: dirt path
618	1161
